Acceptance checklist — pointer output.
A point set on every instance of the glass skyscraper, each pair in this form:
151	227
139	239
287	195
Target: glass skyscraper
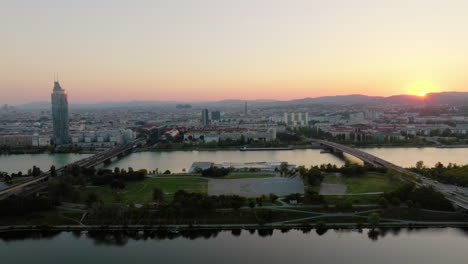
205	117
60	115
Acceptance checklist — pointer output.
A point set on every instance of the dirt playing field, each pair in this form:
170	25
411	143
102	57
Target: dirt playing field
255	187
332	189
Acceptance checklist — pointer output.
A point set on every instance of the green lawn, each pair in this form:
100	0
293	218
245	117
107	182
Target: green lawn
369	182
141	191
355	199
230	176
173	175
331	179
248	175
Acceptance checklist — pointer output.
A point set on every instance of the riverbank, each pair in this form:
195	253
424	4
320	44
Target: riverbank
222	227
47	151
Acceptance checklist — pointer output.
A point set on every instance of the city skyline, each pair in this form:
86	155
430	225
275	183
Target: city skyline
214	50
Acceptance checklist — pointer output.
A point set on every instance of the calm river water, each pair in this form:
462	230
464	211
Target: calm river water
178	160
429	246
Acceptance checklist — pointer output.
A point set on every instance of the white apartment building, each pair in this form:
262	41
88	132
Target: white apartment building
296	118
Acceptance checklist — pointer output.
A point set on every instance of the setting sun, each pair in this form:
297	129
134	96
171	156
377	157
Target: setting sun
422	88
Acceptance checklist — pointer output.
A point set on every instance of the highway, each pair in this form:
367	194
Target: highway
450	191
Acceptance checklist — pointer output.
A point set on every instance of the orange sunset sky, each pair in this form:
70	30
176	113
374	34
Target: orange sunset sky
246	49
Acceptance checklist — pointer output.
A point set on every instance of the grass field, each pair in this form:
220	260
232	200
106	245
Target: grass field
369	182
172	175
248	175
142	191
331	179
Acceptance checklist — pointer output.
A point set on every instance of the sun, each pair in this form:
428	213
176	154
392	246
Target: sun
422	88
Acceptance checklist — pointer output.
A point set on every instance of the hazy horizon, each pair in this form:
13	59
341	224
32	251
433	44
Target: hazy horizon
130	101
212	50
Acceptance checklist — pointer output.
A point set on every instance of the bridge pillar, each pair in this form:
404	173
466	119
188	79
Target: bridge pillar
334	150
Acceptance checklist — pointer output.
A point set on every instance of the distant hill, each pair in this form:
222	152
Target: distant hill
341	99
444	98
448	98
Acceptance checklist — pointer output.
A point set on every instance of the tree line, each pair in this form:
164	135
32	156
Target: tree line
423	197
450	174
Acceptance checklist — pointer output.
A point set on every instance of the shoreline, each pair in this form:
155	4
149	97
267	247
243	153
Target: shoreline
221	227
298	147
292	147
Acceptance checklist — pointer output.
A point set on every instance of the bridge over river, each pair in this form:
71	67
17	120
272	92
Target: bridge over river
41	182
449	191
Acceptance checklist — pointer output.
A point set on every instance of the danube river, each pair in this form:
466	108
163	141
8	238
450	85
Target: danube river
429	246
178	160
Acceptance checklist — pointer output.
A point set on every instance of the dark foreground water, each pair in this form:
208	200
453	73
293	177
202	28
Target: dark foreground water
447	245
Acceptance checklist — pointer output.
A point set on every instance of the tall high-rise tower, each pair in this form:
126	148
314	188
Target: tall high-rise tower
205	117
60	115
245	109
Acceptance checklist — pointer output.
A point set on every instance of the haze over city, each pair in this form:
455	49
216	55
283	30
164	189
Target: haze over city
214	50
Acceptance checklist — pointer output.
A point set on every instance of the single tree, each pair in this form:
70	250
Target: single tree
158	195
91	199
273	197
410	203
420	165
283	169
374	220
53	172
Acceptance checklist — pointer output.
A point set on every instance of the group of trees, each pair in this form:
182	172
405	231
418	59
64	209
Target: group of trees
117	177
224	143
191	204
185	205
451	174
35	171
313	197
215	172
8	177
76	175
310	197
350	169
290	138
313	176
203	202
258	201
311	132
424	197
22	205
